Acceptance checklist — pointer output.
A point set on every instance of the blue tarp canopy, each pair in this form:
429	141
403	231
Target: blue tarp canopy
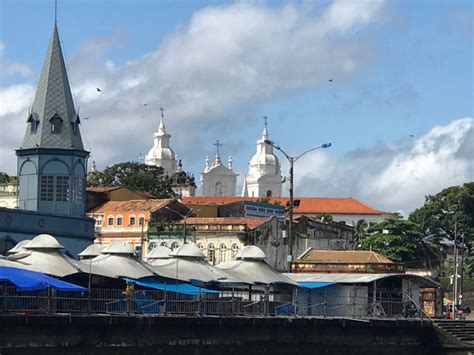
172	286
310	284
26	280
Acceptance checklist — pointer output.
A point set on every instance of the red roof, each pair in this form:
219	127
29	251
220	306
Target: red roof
341	205
249	222
133	205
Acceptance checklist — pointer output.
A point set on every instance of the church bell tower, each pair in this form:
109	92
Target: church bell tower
52	162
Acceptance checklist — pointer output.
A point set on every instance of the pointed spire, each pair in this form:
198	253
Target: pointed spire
54	98
265	129
162	129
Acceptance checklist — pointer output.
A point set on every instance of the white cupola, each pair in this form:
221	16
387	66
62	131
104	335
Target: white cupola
264	176
161	153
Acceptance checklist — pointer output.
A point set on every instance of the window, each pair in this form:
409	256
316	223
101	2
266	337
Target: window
211	253
218	189
163	244
119	221
110	221
75	125
151	246
174	246
78	194
235	249
99	221
56	124
223	253
141	221
269	193
132	221
62	188
200	246
47	188
33	124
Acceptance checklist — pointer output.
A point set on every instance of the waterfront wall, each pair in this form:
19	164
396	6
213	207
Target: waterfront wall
107	334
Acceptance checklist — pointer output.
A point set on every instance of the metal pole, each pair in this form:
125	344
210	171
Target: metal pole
455	263
290	225
185	229
462	269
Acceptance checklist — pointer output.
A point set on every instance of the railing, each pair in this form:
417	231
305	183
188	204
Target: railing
237	303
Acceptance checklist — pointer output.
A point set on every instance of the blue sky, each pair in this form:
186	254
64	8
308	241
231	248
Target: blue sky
399	70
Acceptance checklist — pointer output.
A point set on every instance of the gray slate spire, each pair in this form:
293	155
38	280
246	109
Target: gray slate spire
53	98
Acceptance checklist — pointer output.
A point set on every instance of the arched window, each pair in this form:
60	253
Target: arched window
269	193
33	124
218	188
110	220
235	249
200	246
151	246
174	245
163	244
223	253
132	220
211	254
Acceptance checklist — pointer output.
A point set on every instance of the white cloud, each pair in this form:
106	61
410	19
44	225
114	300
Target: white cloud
10	68
15	98
396	177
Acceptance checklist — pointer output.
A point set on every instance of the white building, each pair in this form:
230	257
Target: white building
161	153
264	176
217	179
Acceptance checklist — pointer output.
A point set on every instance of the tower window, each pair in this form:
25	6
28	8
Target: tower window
56	124
79	189
62	188
269	193
33	124
47	188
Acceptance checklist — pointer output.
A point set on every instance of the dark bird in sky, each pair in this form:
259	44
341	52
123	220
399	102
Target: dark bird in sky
411	135
145	104
330	80
98	90
86	118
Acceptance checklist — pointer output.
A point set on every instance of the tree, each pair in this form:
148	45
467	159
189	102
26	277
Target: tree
5	178
134	176
449	215
401	241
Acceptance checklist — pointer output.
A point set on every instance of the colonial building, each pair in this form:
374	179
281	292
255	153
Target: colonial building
97	196
131	220
217	179
52	164
8	195
347	210
264	176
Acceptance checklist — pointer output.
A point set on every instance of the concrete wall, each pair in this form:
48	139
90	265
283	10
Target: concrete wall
106	334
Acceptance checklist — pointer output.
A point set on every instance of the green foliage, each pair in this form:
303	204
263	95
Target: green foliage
5	178
134	176
449	215
400	241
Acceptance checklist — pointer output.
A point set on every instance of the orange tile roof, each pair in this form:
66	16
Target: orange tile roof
133	205
249	222
344	257
341	205
103	188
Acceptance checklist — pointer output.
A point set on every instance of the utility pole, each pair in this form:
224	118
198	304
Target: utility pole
290	225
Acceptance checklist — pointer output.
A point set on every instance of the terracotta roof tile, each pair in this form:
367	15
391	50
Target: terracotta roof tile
349	256
307	204
249	222
103	188
133	205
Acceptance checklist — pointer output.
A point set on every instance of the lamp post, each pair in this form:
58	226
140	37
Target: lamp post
292	160
184	217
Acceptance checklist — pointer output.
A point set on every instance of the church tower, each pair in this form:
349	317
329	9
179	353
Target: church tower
264	176
52	162
217	179
161	153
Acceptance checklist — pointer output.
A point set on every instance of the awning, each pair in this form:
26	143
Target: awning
26	280
171	286
313	285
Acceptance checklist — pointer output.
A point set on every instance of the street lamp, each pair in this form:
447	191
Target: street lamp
292	160
184	217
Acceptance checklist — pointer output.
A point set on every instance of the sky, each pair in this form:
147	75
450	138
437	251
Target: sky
389	83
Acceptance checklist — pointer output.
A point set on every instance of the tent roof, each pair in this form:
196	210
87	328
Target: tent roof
92	250
44	241
119	247
188	250
186	269
26	280
254	272
159	252
20	246
115	266
251	252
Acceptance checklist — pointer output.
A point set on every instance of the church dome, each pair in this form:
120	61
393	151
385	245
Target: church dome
160	153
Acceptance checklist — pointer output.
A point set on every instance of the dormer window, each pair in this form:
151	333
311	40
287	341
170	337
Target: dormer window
56	124
75	125
33	124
